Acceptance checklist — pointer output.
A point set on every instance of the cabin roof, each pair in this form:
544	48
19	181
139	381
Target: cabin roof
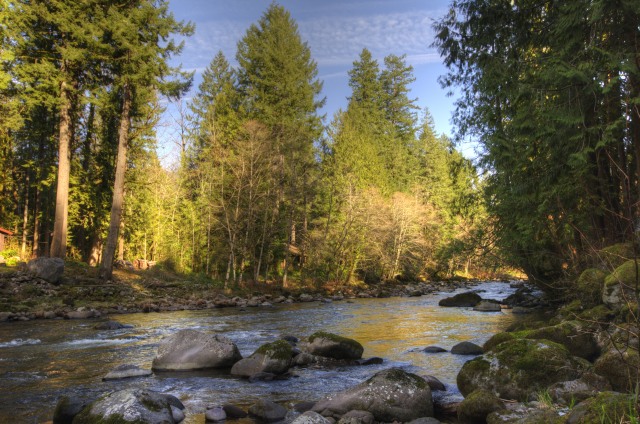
5	231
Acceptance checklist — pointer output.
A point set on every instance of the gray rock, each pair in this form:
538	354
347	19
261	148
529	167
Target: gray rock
303	406
126	371
81	314
215	414
487	306
306	298
578	390
390	395
272	358
49	269
477	405
434	383
267	411
357	417
311	417
233	412
333	346
178	414
434	349
190	349
304	359
466	348
141	406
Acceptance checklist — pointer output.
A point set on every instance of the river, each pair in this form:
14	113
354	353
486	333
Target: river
45	359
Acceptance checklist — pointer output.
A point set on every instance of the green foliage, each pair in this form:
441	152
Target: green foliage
545	89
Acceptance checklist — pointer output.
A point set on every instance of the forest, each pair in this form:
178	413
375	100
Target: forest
268	190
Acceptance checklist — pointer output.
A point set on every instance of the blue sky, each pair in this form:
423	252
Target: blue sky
336	31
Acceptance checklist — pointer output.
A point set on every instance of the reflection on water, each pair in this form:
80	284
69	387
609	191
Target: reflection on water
42	360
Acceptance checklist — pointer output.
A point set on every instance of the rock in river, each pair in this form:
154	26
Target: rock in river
461	300
333	346
130	405
126	371
274	358
191	349
390	395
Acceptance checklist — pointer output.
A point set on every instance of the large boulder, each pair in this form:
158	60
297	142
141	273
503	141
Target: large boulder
466	348
573	335
606	407
390	395
620	368
475	407
589	385
466	299
273	358
49	269
619	286
517	369
67	409
268	411
590	285
488	306
191	349
311	417
333	346
130	405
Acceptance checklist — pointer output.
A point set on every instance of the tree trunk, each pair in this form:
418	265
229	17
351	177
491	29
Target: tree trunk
25	220
106	267
121	235
36	224
59	242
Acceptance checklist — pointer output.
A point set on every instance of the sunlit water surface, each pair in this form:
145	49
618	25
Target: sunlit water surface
42	360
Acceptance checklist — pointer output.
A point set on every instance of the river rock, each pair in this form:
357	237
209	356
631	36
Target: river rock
178	414
215	414
357	417
49	269
267	411
333	346
140	406
425	420
487	306
303	359
518	368
574	335
111	325
434	383
390	395
467	348
273	358
81	314
233	412
434	349
477	405
311	417
465	299
126	371
66	409
191	349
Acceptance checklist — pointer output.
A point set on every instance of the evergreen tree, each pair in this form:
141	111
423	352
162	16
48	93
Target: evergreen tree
140	68
278	83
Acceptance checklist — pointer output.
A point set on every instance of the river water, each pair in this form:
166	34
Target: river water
45	359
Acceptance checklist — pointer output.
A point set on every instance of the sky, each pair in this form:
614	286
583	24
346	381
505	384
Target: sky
336	32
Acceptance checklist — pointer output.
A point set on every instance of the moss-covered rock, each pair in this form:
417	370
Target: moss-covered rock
517	369
597	315
130	406
322	343
496	339
573	335
475	407
525	416
611	257
619	286
606	407
66	409
620	368
273	358
390	395
589	286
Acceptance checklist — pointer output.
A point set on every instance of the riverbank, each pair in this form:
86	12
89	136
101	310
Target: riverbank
80	294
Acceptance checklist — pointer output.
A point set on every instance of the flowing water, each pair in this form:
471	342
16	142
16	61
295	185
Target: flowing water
45	359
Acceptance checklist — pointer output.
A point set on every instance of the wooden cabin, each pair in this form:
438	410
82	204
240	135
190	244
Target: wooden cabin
3	234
